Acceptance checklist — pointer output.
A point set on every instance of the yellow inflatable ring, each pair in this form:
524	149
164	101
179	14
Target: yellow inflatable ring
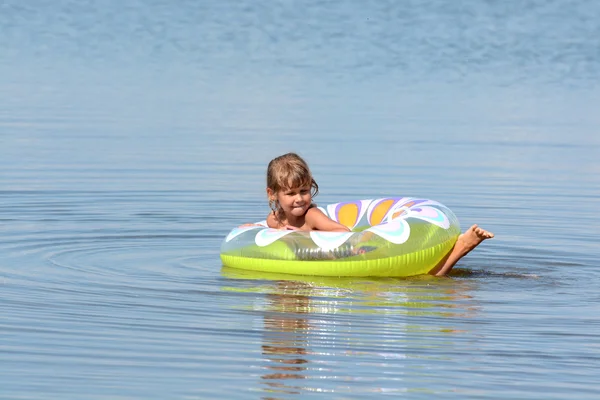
393	237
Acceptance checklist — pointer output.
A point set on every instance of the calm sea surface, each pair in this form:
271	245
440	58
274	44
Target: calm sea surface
134	135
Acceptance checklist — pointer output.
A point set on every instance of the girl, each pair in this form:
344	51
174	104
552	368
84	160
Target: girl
291	187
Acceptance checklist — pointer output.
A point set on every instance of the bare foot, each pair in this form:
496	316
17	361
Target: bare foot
465	243
471	239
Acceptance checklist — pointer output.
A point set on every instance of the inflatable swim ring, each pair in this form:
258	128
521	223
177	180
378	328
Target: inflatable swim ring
394	237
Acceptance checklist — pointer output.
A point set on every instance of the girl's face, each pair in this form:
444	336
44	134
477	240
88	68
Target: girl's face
294	202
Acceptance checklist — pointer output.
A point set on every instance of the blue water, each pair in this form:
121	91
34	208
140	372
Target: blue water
134	135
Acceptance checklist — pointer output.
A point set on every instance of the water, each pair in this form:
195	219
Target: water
134	136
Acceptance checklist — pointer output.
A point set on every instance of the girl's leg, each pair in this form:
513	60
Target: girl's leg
465	243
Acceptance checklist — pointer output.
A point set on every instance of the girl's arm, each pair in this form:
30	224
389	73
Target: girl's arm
317	220
272	222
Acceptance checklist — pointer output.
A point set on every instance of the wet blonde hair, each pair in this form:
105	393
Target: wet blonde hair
285	172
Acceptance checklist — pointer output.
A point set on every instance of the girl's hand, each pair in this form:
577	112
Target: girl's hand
245	225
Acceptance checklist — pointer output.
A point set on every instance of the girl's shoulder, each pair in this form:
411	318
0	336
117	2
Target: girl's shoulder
313	211
272	221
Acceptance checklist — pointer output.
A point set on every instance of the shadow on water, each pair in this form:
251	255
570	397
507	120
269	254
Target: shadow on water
312	327
480	273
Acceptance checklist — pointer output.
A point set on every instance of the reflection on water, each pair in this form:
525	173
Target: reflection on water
285	346
312	323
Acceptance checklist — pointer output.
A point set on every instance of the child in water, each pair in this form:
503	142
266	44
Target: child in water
291	188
